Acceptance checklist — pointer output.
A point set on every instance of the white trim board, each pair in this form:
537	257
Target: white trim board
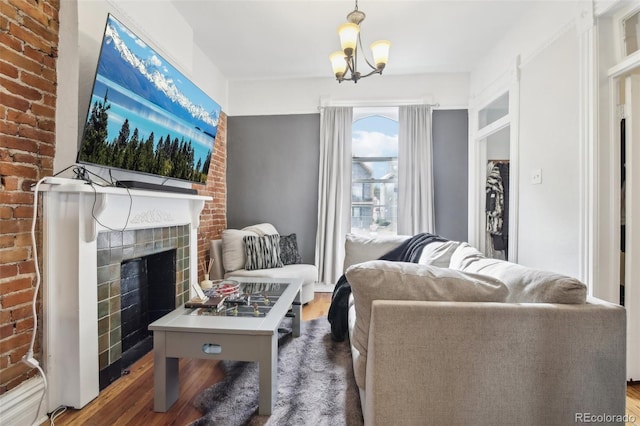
19	406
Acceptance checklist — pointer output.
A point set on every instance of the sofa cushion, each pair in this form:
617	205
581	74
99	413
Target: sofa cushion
526	285
386	280
289	254
233	256
308	273
361	249
262	229
438	253
465	255
262	252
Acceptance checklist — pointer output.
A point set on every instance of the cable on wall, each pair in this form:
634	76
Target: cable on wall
95	199
28	358
82	173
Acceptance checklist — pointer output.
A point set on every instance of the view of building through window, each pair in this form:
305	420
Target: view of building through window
374	172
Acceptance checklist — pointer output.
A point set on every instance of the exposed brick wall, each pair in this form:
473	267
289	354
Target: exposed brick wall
214	215
28	55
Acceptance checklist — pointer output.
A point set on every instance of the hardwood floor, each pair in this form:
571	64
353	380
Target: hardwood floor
129	400
633	402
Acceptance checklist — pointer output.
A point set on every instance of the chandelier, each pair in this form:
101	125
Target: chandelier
345	62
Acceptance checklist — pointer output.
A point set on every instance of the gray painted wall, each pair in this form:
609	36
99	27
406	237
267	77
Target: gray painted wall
272	175
451	172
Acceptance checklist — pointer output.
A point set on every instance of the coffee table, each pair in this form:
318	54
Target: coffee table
241	336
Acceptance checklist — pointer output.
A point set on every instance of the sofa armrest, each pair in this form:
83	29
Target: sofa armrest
215	254
494	363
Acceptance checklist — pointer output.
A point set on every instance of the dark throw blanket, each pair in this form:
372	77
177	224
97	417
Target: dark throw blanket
409	251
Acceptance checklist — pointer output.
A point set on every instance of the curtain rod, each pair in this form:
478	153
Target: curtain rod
327	102
390	105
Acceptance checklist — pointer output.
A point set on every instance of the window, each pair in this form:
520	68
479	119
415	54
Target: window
496	110
631	33
374	171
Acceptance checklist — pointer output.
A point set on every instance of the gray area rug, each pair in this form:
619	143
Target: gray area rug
316	385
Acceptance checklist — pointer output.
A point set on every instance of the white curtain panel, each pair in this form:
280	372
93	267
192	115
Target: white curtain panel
334	191
415	170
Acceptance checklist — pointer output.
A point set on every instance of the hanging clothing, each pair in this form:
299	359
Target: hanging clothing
504	175
494	202
501	242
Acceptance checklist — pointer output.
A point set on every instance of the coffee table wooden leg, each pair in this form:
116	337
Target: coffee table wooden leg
268	376
166	384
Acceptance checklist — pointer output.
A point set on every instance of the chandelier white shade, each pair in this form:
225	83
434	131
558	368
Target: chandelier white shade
338	63
345	62
348	33
380	50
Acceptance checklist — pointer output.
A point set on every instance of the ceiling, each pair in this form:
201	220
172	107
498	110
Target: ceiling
249	40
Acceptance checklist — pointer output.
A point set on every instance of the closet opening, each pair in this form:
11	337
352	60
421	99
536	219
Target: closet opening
496	199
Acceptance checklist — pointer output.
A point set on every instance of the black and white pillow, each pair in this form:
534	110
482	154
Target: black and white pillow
262	252
289	250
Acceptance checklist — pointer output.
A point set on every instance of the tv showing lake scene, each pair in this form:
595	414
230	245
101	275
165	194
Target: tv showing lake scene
145	115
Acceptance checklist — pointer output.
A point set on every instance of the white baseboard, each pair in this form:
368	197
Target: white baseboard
324	288
19	406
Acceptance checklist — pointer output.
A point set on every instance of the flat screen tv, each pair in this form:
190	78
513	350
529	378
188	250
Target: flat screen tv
144	115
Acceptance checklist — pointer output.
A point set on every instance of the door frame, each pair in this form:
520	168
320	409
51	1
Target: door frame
509	83
632	244
619	106
617	82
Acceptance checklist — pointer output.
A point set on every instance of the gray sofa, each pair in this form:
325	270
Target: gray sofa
519	346
229	259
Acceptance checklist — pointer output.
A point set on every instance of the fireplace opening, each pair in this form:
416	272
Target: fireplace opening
147	292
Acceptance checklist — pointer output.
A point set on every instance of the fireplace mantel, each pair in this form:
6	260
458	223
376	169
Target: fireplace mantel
73	215
121	208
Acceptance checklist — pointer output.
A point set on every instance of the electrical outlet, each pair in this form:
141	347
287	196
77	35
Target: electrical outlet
536	177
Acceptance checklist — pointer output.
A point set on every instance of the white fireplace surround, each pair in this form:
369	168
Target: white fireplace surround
74	212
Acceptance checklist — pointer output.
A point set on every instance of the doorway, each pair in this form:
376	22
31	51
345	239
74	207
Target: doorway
496	231
497	194
629	137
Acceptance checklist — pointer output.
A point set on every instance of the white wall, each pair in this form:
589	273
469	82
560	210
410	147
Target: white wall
68	71
302	96
525	39
82	25
549	133
547	46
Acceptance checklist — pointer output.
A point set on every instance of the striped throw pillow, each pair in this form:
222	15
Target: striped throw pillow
262	252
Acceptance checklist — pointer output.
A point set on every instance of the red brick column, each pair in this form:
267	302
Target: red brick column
28	54
213	218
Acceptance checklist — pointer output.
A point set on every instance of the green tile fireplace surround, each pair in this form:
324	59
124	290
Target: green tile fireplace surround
114	247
